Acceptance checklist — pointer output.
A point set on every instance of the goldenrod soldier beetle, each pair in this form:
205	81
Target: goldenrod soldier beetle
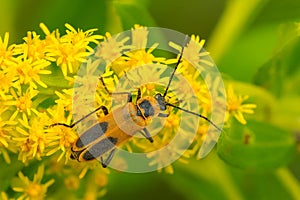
121	124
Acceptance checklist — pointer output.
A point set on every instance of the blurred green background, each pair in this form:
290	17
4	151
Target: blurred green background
255	44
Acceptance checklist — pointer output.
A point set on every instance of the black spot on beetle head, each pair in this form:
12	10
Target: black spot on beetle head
145	109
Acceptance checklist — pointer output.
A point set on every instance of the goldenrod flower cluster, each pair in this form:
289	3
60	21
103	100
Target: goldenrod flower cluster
36	90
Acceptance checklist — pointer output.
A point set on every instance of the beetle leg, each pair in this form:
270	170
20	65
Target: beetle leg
147	135
108	159
103	108
129	99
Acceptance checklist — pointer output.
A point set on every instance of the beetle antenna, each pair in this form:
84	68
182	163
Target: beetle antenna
197	114
179	61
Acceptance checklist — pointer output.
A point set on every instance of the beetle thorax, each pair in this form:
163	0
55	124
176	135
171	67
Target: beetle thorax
147	107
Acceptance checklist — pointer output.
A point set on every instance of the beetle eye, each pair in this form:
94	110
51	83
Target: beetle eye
161	101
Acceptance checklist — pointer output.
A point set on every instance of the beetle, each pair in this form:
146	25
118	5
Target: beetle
117	127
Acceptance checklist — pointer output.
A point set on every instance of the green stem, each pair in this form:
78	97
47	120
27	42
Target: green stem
234	19
289	182
7	17
115	25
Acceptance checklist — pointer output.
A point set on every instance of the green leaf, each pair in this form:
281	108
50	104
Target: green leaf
133	12
279	11
235	18
287	113
146	186
281	73
80	14
8	171
257	146
249	52
202	178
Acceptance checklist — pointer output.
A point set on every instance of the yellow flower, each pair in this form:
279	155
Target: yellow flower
111	48
22	101
140	53
29	72
198	140
100	178
170	127
6	52
3	196
50	37
96	182
236	106
33	48
87	82
26	105
140	57
71	49
69	57
65	98
6	82
31	138
139	36
62	138
194	54
72	182
32	190
6	129
81	38
200	90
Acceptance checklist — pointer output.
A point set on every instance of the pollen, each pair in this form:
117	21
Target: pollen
34	190
140	57
23	103
29	72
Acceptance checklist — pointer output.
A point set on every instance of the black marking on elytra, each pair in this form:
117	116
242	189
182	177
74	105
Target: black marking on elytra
92	134
100	148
